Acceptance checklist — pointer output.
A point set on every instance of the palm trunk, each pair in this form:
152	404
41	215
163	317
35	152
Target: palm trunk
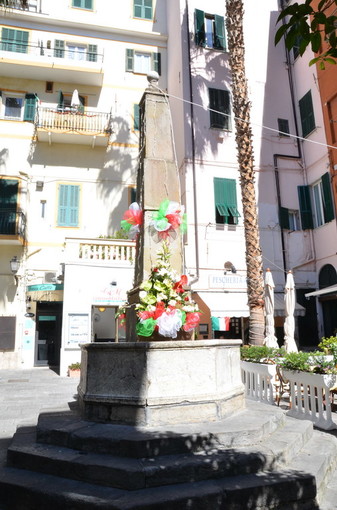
241	108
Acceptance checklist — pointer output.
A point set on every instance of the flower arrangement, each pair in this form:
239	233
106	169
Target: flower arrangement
165	222
165	306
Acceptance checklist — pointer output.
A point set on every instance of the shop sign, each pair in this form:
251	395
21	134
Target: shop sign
227	281
110	296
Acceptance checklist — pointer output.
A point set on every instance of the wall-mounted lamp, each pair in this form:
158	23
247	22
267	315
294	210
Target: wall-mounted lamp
228	266
101	308
15	264
39	185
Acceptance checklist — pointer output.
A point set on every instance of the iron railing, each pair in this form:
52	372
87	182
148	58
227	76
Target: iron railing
12	223
45	50
71	119
22	5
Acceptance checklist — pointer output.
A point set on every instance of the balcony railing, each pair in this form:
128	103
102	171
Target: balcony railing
12	223
22	5
101	251
73	120
46	52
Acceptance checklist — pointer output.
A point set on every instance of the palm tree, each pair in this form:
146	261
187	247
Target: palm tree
241	108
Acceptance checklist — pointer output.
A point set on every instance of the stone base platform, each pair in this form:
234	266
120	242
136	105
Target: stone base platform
156	383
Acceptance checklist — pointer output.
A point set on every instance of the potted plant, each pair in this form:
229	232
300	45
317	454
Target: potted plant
74	369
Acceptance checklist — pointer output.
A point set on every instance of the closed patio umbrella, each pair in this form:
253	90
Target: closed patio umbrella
270	338
75	99
289	323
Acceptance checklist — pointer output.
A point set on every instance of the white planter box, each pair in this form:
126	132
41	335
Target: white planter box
259	379
310	397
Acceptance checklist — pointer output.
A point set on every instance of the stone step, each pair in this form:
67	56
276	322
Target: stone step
134	473
283	490
245	428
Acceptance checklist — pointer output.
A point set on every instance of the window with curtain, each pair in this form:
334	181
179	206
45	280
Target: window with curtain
209	30
219	104
307	114
142	9
68	205
225	201
142	62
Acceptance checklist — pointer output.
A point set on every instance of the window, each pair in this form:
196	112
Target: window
68	205
14	40
316	204
289	219
136	117
219	104
83	4
8	205
142	62
307	114
283	127
142	9
132	194
210	30
65	102
17	106
225	201
78	52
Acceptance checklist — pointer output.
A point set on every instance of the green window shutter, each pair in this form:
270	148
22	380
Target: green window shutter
219	103
283	127
30	107
305	207
156	62
92	53
284	218
200	36
60	102
68	205
59	48
307	114
136	117
14	40
219	32
225	199
327	198
8	204
129	60
84	4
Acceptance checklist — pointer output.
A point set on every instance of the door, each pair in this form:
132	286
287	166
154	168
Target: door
48	334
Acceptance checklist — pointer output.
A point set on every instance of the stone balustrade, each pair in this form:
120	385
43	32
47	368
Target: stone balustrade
120	252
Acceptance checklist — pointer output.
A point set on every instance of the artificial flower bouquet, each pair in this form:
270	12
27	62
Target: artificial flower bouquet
165	306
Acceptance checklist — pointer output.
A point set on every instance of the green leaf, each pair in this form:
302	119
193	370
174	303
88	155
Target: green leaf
280	33
314	60
315	42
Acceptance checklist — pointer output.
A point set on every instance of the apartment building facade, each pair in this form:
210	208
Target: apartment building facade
71	78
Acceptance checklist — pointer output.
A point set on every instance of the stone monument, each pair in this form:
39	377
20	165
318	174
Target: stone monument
168	381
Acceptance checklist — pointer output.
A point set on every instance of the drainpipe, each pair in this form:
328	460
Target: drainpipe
276	156
195	212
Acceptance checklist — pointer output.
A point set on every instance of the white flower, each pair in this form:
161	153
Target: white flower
172	302
142	294
169	323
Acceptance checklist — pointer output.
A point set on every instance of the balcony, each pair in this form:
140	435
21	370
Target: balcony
69	125
12	227
106	252
19	5
42	61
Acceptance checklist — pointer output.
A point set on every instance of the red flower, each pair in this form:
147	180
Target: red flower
133	217
178	286
174	219
192	321
145	315
160	309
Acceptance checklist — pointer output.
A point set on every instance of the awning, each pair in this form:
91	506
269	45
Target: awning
229	304
326	290
279	306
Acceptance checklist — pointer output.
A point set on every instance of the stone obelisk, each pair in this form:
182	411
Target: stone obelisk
157	180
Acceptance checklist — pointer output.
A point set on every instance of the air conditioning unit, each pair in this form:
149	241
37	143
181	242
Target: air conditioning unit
50	277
